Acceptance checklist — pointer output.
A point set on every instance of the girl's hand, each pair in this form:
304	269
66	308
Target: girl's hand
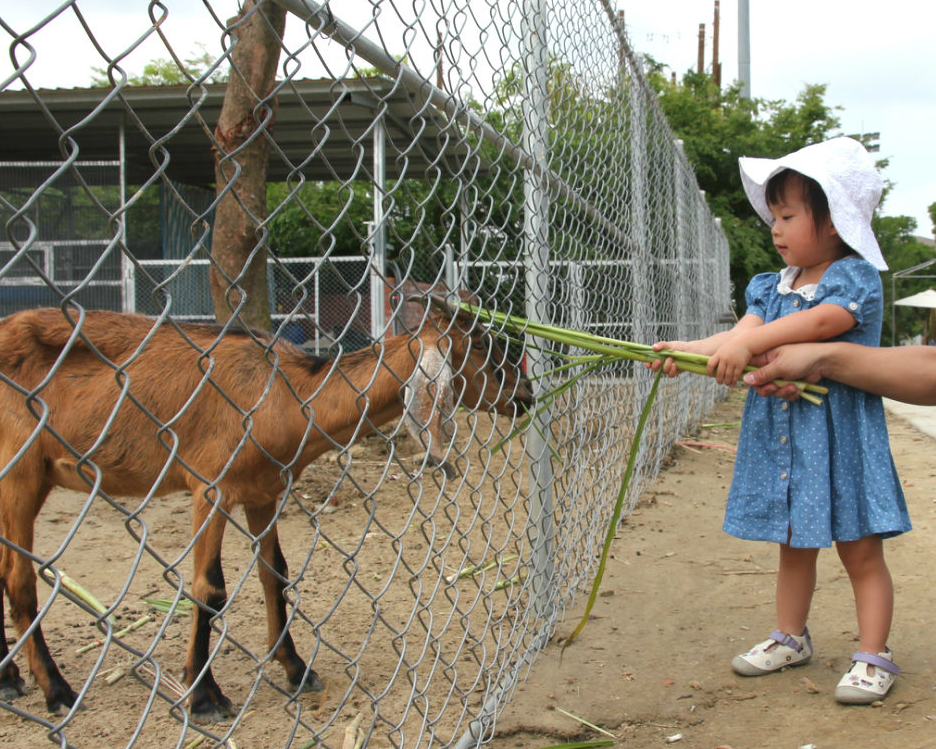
669	366
727	364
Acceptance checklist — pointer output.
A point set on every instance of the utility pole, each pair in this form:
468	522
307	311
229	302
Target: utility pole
716	65
701	64
744	48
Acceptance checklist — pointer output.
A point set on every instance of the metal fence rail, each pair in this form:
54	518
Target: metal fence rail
504	151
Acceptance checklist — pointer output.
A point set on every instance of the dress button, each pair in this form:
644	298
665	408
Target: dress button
796	302
783	439
853	306
783	476
784	406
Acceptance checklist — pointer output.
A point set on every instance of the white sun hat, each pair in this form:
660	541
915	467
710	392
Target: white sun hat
846	173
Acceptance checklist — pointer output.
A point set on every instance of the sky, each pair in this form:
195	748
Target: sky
878	60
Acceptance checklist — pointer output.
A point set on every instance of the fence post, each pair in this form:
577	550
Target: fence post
378	234
718	278
684	274
640	259
536	276
455	268
702	218
127	269
536	269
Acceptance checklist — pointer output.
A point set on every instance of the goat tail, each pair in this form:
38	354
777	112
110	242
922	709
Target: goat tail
46	327
24	333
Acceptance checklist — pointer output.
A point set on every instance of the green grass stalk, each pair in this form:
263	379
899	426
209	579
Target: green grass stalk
610	349
618	509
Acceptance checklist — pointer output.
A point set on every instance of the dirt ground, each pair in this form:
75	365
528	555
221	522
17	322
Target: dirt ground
680	598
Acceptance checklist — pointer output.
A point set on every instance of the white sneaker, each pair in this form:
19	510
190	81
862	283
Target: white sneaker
858	687
780	651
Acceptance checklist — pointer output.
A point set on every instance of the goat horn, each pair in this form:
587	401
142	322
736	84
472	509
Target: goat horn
449	304
436	301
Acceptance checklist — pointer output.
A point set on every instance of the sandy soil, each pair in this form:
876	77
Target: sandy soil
680	598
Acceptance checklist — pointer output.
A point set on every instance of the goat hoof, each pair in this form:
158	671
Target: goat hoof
209	711
62	700
310	683
12	687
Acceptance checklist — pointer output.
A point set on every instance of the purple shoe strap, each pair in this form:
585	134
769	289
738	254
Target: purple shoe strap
784	639
876	660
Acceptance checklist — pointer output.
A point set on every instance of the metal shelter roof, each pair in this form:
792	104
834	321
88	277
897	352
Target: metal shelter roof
323	129
922	299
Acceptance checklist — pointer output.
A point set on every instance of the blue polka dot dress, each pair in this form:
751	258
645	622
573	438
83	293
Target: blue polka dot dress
822	473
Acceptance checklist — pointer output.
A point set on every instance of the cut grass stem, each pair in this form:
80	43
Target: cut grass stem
611	349
616	513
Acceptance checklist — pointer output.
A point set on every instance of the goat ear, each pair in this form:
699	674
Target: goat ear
429	407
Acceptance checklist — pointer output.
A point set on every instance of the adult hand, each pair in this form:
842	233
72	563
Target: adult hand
798	361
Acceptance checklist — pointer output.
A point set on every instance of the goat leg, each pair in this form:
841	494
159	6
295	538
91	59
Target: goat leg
11	684
208	703
19	580
274	576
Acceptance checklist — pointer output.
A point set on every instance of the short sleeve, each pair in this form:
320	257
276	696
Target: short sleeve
855	284
758	292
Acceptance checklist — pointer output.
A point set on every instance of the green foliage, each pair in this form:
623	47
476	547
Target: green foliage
318	218
717	127
331	218
423	212
167	72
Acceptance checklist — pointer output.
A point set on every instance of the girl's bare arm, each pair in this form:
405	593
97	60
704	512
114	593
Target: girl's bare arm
817	324
706	346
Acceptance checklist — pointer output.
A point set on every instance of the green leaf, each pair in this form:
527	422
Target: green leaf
618	508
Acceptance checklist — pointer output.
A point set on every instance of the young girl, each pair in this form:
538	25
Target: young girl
808	475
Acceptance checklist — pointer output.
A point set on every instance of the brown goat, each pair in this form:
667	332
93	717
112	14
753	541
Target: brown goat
182	407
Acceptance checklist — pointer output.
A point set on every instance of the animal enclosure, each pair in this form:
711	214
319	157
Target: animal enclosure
400	539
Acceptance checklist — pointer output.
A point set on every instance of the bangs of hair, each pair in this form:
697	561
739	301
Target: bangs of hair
811	194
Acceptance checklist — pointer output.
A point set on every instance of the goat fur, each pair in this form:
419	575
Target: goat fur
148	409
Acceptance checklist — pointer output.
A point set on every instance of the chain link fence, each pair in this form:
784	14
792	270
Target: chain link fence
507	152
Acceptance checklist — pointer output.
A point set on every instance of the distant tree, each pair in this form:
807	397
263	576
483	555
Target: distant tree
319	218
717	126
165	71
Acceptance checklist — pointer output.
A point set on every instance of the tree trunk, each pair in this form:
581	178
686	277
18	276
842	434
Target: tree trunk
239	272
